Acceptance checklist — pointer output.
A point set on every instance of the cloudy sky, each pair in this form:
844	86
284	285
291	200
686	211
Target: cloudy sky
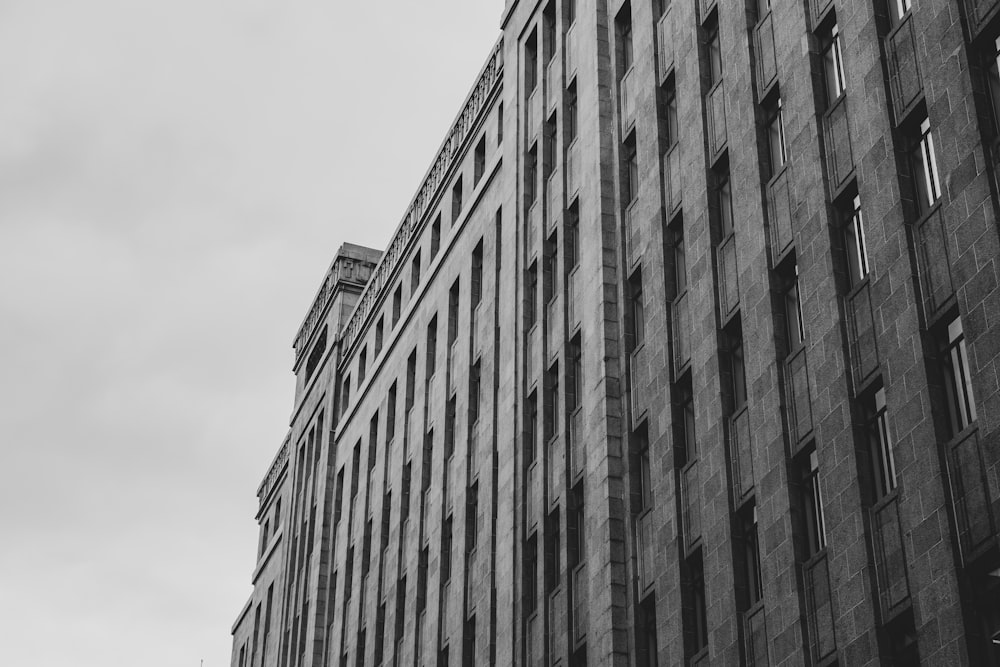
175	177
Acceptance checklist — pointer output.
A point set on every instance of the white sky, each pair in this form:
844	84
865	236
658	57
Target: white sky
175	177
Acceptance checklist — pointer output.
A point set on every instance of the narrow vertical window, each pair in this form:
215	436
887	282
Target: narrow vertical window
794	326
638	310
714	54
751	556
531	574
813	505
644	478
625	39
531	175
446	540
630	187
724	197
531	429
479	166
571	114
346	393
923	162
435	236
957	379
379	334
531	296
474	392
397	304
531	63
415	272
453	301
670	112
572	240
362	364
432	327
880	446
736	368
476	285
456	200
500	124
775	136
833	64
855	245
575	379
549	158
679	257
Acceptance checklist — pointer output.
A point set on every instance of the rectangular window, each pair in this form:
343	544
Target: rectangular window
572	239
531	296
379	333
549	264
575	524
775	136
714	55
625	40
474	392
638	310
630	174
477	274
795	333
531	63
880	445
446	538
549	19
531	429
551	401
453	301
390	414
923	164
643	478
531	574
571	114
456	200
670	112
833	64
449	427
570	9
415	272
552	547
898	9
957	379
751	556
699	611
432	328
855	246
500	124
362	364
574	389
812	501
472	518
736	368
411	380
724	199
435	236
397	303
687	445
645	634
549	158
479	166
346	394
531	175
678	255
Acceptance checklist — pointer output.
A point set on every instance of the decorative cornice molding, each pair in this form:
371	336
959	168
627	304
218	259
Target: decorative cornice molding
489	78
277	466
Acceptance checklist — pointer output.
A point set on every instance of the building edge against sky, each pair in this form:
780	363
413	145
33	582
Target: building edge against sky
686	351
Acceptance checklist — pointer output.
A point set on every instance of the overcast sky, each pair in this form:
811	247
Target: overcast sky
175	177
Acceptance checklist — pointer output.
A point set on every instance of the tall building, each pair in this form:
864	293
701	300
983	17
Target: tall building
686	351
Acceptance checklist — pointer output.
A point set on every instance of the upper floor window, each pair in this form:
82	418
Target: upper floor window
571	114
724	198
880	445
957	378
638	309
898	9
833	64
630	188
415	272
531	63
993	82
794	325
855	245
397	303
531	175
678	254
714	55
362	364
775	135
625	37
435	236
479	168
670	111
736	366
815	521
456	200
923	163
379	334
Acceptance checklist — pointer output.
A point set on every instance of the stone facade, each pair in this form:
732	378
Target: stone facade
687	351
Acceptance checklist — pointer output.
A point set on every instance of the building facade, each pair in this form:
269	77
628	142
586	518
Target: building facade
686	351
